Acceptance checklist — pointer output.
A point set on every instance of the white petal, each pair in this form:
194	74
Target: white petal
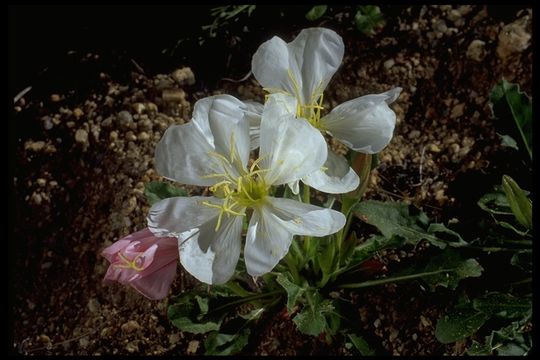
311	58
306	219
253	112
179	153
290	148
294	186
214	264
337	177
365	124
273	226
227	123
267	242
179	214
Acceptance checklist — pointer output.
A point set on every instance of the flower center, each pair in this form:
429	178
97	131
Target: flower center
247	190
135	264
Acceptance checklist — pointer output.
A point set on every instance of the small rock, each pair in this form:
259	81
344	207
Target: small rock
143	136
55	98
93	305
513	38
173	95
476	50
414	337
113	135
34	145
389	63
393	335
41	182
434	148
414	134
81	136
132	346
192	347
130	326
78	113
174	338
124	118
457	111
184	76
47	123
377	323
84	342
131	136
138	108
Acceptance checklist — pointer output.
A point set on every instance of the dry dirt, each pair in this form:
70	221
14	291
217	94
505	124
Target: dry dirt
81	163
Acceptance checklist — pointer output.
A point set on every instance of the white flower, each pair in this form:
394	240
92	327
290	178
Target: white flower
303	68
213	150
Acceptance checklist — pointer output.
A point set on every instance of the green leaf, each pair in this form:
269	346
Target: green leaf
507	102
311	319
361	345
451	259
519	203
368	18
226	344
399	219
316	12
508	141
478	349
495	203
293	291
510	340
459	324
522	260
157	190
503	305
186	316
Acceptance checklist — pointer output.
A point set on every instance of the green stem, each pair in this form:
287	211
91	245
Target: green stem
291	264
392	279
306	199
246	299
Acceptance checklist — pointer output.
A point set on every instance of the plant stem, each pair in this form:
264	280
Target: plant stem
246	299
306	198
392	279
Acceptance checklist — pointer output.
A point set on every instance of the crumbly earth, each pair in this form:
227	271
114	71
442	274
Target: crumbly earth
82	164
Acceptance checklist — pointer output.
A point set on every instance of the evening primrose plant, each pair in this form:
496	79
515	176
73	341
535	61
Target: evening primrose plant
258	163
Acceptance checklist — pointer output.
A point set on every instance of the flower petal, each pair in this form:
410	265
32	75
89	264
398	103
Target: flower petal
311	58
183	153
273	226
227	123
267	242
214	264
336	177
290	148
179	156
306	219
180	214
365	124
253	112
155	286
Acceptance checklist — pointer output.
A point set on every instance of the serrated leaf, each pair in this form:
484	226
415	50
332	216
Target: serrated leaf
311	319
507	103
226	344
158	190
293	291
361	345
461	269
503	305
397	219
459	324
368	18
184	315
316	12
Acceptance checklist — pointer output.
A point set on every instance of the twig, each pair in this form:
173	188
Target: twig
421	166
21	94
237	81
137	66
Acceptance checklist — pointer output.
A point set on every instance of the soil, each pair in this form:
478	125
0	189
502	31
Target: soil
82	155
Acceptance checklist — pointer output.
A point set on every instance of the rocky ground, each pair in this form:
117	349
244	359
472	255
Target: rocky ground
82	159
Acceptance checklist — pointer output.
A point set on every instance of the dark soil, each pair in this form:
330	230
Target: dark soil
82	142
